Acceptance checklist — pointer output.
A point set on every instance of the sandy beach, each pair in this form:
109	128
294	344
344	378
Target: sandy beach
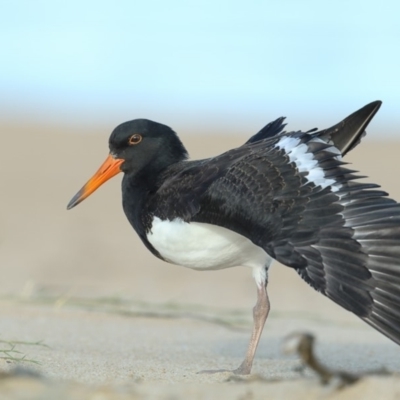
89	304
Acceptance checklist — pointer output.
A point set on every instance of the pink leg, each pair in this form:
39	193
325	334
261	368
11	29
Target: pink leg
260	314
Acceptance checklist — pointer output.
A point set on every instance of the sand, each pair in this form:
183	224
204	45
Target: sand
98	309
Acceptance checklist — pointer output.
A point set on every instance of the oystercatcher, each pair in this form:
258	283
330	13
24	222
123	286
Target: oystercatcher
282	196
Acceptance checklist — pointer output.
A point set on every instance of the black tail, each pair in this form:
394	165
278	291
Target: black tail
348	133
345	135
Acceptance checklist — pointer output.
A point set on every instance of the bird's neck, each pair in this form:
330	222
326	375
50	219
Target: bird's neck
137	190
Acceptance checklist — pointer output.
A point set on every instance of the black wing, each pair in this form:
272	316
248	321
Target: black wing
343	239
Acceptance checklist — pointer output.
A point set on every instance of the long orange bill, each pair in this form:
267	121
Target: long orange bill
108	169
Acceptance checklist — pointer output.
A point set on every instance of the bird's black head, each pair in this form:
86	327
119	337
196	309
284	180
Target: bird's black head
142	143
138	146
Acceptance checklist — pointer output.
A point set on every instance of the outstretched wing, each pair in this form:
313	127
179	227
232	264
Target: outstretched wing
292	196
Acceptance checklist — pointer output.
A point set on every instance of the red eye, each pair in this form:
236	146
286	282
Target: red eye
135	139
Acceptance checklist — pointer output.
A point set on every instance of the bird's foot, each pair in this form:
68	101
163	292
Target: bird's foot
244	369
214	371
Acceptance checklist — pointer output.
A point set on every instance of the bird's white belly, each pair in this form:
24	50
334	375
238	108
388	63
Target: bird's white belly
204	246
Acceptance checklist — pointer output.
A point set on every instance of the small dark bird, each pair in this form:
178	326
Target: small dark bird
282	196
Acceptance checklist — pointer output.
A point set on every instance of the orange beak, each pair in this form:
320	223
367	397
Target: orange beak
108	169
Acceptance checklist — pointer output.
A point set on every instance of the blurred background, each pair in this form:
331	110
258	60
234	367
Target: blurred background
226	64
216	72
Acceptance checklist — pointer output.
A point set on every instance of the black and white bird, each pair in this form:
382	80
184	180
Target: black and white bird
283	196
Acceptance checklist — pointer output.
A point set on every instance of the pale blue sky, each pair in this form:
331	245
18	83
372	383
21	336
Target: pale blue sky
229	62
